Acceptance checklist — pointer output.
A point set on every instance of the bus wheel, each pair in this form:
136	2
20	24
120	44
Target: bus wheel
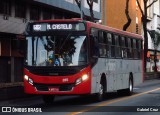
129	91
100	94
48	99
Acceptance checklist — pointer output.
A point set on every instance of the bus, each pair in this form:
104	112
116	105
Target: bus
77	57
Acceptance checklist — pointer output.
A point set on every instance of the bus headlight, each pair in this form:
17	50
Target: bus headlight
84	77
81	79
30	81
26	77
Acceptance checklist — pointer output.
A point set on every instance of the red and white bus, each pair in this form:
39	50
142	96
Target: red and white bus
76	57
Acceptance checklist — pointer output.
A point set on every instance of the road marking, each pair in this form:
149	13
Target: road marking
111	102
135	88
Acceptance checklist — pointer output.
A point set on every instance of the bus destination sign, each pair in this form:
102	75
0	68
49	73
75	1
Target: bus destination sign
45	27
53	27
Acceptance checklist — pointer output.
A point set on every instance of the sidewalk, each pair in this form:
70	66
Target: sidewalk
151	75
12	91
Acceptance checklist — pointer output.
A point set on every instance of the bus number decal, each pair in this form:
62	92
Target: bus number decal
37	27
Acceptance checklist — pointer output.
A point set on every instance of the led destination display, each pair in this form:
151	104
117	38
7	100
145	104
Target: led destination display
42	27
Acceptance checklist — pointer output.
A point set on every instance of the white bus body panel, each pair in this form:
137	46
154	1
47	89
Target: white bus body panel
117	73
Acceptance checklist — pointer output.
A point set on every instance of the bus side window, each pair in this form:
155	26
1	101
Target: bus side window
131	49
94	46
106	46
117	46
124	45
105	37
103	44
113	47
135	48
100	37
139	49
109	43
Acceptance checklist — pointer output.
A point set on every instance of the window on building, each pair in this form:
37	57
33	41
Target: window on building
58	15
68	16
34	13
5	7
136	28
47	14
17	47
96	1
20	9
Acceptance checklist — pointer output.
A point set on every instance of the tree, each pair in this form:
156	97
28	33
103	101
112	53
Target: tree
90	4
79	5
127	24
144	21
156	41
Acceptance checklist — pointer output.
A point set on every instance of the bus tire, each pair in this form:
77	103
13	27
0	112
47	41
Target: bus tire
101	92
48	99
129	91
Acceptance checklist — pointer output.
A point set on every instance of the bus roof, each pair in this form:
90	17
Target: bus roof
61	20
113	30
94	25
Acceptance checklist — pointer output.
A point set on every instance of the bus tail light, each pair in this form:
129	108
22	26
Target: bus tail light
81	79
30	81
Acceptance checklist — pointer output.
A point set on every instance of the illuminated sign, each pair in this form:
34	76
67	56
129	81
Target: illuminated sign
59	26
56	26
37	27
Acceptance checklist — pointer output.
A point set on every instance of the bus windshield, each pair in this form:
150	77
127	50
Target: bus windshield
56	50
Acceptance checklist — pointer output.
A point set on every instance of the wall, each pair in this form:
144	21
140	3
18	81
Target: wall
115	11
69	6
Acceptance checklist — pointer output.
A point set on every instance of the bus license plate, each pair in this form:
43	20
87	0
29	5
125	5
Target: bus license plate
53	89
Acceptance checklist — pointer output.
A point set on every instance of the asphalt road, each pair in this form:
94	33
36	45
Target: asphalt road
145	100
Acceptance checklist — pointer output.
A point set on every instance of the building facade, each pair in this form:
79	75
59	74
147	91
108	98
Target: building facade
14	15
114	15
153	43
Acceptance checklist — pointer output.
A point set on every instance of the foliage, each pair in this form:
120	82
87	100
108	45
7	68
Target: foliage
144	21
127	24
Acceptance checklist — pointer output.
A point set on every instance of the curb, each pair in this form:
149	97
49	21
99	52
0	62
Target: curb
12	93
149	76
